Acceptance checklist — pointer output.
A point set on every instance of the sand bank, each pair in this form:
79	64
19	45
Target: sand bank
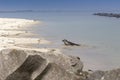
14	34
12	23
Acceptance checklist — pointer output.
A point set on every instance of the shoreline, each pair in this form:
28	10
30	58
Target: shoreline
14	34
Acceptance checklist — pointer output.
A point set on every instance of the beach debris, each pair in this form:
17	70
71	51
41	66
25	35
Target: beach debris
69	43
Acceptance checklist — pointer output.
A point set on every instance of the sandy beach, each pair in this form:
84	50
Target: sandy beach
14	35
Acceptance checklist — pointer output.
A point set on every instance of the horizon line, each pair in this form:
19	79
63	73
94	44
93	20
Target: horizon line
18	11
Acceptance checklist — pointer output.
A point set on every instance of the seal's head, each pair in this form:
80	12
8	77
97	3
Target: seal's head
64	40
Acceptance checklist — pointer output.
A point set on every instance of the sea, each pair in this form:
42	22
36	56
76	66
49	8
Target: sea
98	36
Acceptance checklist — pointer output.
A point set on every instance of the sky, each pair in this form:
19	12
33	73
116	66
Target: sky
59	5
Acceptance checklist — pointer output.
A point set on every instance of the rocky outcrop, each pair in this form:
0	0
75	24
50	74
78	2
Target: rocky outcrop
30	65
105	75
10	60
35	65
54	72
61	60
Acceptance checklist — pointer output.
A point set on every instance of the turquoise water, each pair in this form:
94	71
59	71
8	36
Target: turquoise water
99	36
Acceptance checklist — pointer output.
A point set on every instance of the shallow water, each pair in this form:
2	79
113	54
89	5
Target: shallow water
99	36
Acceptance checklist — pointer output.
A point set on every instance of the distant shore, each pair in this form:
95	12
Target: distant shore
108	14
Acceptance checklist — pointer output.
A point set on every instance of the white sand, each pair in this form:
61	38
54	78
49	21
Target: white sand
11	23
12	35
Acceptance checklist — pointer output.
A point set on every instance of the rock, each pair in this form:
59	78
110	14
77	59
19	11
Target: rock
112	75
67	64
54	72
35	65
76	64
10	60
61	60
30	65
83	75
105	75
97	75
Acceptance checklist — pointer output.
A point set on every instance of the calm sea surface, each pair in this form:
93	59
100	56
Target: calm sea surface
99	36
